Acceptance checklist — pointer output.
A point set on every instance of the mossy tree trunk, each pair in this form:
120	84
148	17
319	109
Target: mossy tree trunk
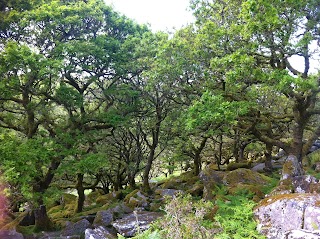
197	155
80	190
42	221
268	160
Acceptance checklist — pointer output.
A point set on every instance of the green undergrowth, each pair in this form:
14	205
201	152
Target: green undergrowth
235	217
229	217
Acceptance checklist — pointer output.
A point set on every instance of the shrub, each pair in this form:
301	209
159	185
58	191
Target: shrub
185	219
235	218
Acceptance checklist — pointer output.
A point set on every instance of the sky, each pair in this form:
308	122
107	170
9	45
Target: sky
167	15
162	15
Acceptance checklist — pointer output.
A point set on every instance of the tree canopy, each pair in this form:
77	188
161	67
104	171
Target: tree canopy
89	99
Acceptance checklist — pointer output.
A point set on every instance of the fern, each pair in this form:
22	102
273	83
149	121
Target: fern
235	217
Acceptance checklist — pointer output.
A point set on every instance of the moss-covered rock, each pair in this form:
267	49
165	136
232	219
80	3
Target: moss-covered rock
68	198
245	176
14	223
280	214
137	199
183	182
211	179
298	184
292	167
130	195
234	165
91	198
196	190
250	180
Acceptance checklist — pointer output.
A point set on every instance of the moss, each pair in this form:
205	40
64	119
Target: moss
234	166
13	224
130	195
182	182
312	158
245	176
27	230
55	209
156	206
295	196
287	168
92	197
196	190
68	198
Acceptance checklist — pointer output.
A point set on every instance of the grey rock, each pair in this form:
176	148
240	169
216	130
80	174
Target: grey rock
280	154
103	218
168	192
312	218
99	233
317	167
259	168
278	215
317	143
77	228
135	222
313	148
10	234
120	210
211	179
304	184
302	234
106	217
292	168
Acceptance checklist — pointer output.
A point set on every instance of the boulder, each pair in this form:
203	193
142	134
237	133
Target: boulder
298	184
109	198
234	165
244	176
302	234
10	234
196	190
316	167
278	215
291	168
121	209
260	167
137	199
76	229
313	148
211	179
99	233
106	217
317	143
135	222
181	182
168	192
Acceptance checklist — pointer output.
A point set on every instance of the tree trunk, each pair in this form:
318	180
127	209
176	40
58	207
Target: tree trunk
132	181
42	221
297	144
152	147
80	191
146	185
197	156
268	160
